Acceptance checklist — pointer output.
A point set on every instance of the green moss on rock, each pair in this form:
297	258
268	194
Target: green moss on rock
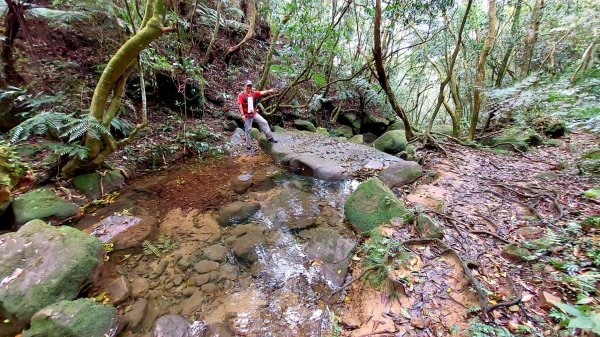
82	317
512	138
358	139
371	205
429	228
323	131
93	184
343	131
277	129
391	142
304	125
43	204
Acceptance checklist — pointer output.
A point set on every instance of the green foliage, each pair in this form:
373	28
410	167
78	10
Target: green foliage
380	250
47	122
581	317
160	247
480	329
11	167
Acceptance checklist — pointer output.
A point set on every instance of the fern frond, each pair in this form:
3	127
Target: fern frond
40	124
86	125
71	150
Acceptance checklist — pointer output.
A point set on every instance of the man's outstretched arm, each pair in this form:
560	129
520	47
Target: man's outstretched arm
266	92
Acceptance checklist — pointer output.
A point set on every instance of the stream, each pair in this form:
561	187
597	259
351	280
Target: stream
251	279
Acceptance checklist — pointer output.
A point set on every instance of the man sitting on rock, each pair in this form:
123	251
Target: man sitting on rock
247	102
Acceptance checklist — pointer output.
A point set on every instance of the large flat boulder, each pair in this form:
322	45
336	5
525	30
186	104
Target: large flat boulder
323	157
82	317
42	265
371	205
333	253
43	204
124	231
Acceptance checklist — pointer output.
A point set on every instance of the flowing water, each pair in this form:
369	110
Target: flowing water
276	290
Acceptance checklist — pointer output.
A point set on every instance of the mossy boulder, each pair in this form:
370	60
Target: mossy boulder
391	142
401	173
550	126
42	204
82	317
372	205
429	228
42	265
322	131
396	125
277	129
304	125
350	119
515	253
357	139
254	133
343	131
92	185
514	138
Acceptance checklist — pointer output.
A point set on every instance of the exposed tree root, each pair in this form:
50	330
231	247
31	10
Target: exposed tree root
491	234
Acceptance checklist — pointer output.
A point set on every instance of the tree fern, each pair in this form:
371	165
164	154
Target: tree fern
86	125
46	122
71	150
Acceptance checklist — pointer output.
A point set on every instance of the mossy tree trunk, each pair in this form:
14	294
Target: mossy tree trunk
514	32
530	38
267	65
485	51
112	86
382	76
586	59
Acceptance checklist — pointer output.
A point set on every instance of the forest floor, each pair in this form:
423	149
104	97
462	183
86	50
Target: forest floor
487	201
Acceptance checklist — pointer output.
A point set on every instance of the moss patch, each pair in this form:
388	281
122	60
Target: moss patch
391	142
42	204
92	185
371	205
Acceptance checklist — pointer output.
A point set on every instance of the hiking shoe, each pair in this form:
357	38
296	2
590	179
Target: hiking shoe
272	140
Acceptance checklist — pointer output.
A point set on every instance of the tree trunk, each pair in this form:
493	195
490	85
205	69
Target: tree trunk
112	85
214	35
585	59
382	76
251	15
530	38
479	82
514	30
267	65
14	18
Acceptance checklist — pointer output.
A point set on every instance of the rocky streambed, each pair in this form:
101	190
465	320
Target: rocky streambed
239	246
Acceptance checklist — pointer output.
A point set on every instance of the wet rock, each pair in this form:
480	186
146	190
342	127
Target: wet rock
118	290
429	228
401	173
357	139
228	272
322	157
343	131
371	205
193	303
291	208
139	287
92	185
391	142
330	248
136	313
304	125
177	326
206	266
42	204
199	280
245	246
208	288
124	231
515	253
41	265
216	252
82	317
241	183
237	212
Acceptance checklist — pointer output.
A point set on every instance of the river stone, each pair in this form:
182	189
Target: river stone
343	131
391	142
322	157
428	227
118	290
333	251
304	125
92	185
401	173
291	208
82	317
237	213
136	313
357	139
241	183
42	265
124	231
244	247
216	252
192	303
42	204
177	326
206	266
371	205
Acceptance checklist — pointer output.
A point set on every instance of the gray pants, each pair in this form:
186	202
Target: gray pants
262	124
